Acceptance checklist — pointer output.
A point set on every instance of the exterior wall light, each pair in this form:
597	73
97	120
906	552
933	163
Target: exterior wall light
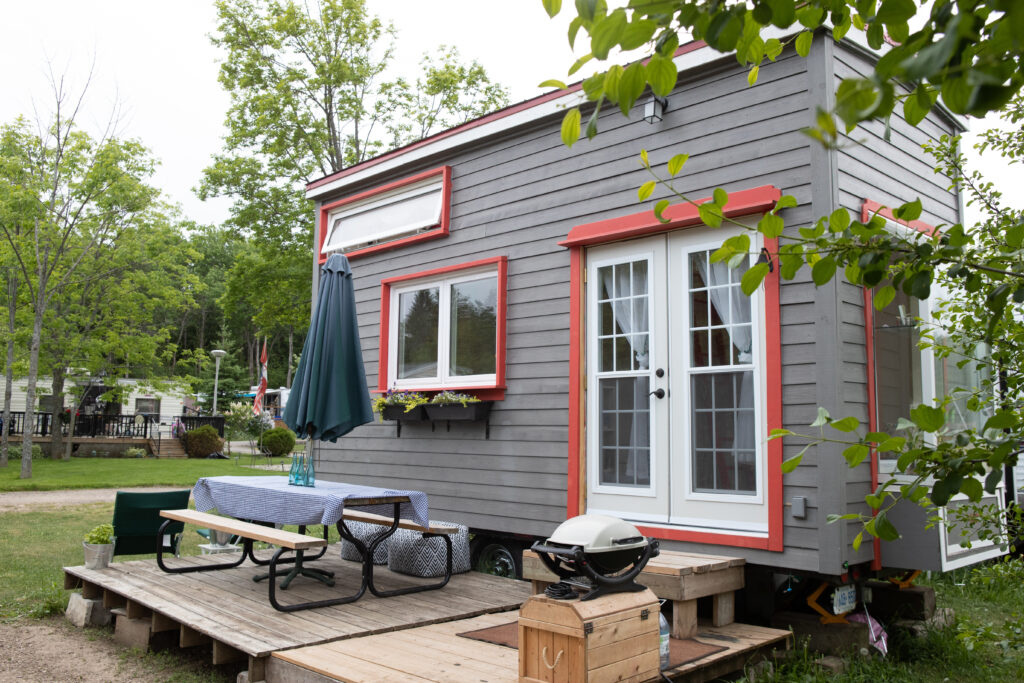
655	109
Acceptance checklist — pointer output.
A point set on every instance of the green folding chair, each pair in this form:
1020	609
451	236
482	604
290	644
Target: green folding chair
137	520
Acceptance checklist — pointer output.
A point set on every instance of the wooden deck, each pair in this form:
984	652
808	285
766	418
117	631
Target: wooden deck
437	653
229	609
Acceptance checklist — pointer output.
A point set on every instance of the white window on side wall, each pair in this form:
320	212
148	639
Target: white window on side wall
445	328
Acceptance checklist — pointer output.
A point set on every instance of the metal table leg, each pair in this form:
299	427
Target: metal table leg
299	568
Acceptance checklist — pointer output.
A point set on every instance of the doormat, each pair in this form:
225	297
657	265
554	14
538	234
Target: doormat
680	651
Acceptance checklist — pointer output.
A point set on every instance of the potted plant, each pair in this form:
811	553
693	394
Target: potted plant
400	405
451	405
99	546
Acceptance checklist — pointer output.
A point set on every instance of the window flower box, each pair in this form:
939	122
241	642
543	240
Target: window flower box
474	411
399	412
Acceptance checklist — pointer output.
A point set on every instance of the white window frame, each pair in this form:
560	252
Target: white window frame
335	217
443	379
594	441
756	366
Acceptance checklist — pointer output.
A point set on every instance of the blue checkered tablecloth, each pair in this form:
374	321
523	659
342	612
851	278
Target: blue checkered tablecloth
273	499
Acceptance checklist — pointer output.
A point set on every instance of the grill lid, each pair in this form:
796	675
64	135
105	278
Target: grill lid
598	534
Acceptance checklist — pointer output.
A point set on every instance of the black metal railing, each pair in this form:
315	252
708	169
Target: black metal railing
191	422
103	426
42	426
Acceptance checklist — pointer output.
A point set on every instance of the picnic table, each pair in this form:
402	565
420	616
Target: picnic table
272	500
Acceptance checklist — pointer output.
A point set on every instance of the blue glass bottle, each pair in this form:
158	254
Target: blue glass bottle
293	475
309	471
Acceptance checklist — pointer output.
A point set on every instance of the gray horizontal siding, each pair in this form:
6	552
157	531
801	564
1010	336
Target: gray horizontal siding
520	193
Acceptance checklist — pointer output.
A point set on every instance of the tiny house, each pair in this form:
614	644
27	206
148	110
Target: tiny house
629	374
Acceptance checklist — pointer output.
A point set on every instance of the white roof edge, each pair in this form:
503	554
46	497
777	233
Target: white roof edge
684	62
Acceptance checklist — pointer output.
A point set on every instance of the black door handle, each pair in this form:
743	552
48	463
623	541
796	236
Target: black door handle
658	393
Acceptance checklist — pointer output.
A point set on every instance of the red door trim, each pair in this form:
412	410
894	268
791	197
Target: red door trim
744	202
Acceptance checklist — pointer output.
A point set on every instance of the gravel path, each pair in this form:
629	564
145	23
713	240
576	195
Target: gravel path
19	500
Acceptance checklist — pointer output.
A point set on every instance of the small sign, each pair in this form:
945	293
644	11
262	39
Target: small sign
844	599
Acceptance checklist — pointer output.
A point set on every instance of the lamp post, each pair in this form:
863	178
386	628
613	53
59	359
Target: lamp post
217	355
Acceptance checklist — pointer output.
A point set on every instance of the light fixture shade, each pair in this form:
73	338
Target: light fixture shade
654	109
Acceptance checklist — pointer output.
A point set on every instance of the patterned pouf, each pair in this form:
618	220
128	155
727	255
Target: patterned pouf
364	532
410	553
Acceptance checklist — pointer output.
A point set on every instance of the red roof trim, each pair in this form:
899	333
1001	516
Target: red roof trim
469	125
756	200
872	207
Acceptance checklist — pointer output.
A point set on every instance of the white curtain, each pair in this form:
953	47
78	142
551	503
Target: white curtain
630	317
732	309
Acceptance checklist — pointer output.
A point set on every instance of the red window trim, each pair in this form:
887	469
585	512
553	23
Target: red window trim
645	223
869	208
872	207
495	392
440	230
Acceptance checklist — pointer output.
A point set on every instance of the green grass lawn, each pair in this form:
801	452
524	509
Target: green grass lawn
93	473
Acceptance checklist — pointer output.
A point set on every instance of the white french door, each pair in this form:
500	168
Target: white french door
675	391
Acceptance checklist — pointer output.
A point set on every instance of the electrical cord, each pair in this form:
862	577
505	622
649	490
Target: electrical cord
560	591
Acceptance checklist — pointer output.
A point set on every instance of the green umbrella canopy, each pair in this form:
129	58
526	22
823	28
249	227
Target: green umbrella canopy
329	397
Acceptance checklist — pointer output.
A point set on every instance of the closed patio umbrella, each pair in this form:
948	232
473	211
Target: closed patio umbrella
329	397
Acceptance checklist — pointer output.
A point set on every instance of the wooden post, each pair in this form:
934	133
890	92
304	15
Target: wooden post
684	619
723	610
190	637
225	654
161	623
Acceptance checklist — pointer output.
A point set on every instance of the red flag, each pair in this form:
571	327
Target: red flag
261	388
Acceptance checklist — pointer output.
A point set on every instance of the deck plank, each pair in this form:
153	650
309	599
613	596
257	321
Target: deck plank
229	607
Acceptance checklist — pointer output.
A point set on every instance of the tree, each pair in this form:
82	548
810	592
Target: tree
968	55
73	192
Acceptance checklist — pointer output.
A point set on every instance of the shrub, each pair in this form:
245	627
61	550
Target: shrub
202	441
279	441
14	452
100	534
135	452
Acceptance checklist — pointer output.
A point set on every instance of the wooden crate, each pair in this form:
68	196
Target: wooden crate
612	638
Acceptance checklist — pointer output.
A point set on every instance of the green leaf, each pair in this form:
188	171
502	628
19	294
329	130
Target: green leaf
578	64
822	419
847	424
993	479
786	201
1015	236
945	488
632	83
803	43
604	34
553	83
676	163
777	433
587	9
790	464
883	296
928	418
659	209
772	48
855	454
839	220
972	488
646	189
904	423
552	7
721	197
1004	419
637	33
752	279
823	270
895	11
571	127
857	540
884	529
662	75
894	443
783	12
771	225
910	211
711	214
752	75
810	17
956	93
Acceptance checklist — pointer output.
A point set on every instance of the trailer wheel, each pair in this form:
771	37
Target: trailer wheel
498	557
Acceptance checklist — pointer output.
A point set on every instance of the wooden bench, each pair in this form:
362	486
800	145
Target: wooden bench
370	518
249	530
682	578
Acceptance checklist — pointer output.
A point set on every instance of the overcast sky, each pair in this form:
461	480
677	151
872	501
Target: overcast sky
156	61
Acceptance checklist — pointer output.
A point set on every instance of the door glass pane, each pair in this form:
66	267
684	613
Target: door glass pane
897	362
623	317
719	313
417	333
474	327
724	432
625	441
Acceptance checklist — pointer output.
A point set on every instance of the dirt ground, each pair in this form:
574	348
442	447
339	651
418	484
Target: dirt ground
52	650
